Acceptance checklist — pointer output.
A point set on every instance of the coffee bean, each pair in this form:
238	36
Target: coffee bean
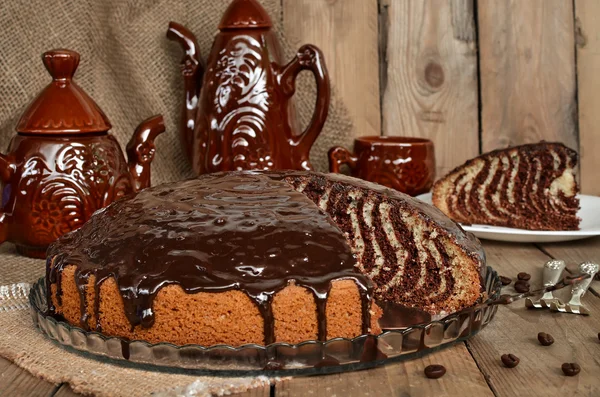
571	369
598	335
505	280
545	339
522	286
435	371
510	360
524	276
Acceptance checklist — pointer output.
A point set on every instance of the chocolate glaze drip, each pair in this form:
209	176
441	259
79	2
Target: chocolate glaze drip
238	231
397	316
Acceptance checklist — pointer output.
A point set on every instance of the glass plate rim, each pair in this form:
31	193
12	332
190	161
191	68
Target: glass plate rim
443	320
492	286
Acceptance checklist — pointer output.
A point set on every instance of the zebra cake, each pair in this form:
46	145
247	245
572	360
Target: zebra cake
531	187
413	253
260	257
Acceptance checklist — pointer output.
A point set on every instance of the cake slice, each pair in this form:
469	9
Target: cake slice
527	187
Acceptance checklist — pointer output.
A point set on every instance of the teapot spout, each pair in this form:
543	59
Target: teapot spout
141	149
192	72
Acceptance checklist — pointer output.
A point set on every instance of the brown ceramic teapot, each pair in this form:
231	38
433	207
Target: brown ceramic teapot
63	164
243	117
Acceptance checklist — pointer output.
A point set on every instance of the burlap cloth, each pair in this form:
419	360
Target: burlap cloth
132	71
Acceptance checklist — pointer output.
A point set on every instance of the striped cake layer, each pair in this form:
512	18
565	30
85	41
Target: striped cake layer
529	187
413	253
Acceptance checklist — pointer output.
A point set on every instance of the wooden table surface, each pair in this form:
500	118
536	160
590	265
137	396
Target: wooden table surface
473	367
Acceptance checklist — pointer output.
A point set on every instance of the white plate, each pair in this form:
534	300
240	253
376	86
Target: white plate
590	226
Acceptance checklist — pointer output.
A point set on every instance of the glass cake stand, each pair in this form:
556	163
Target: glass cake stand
309	357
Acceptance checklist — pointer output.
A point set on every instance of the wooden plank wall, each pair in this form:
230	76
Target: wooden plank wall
472	75
429	88
527	73
587	39
346	31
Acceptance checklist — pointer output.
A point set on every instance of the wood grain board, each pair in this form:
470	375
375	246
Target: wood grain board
539	372
406	377
15	381
524	72
473	368
587	38
65	391
346	32
429	76
527	72
575	253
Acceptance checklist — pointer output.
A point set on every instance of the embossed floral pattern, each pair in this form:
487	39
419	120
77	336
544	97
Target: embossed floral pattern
241	102
411	177
66	189
259	159
46	214
307	56
413	173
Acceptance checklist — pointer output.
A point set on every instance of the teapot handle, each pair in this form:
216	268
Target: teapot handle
3	227
308	57
339	155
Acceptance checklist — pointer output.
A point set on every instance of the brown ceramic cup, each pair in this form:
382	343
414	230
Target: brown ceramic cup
402	163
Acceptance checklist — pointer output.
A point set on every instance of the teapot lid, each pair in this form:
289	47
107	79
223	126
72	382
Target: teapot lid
245	14
62	107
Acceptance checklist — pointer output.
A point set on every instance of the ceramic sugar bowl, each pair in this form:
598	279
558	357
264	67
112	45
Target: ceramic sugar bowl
63	164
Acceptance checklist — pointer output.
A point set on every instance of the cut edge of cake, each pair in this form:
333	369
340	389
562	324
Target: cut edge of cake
442	245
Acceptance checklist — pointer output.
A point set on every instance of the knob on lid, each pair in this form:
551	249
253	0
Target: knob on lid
244	14
62	107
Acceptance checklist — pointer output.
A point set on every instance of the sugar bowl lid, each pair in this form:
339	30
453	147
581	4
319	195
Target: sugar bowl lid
245	14
62	107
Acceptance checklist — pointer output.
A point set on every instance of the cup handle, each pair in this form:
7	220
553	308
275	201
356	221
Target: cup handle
308	57
339	155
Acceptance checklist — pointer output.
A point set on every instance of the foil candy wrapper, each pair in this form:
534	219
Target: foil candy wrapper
579	289
553	270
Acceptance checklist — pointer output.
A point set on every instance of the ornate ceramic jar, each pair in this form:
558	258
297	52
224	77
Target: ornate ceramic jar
63	164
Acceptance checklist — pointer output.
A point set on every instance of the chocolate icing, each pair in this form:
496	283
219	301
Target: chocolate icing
237	231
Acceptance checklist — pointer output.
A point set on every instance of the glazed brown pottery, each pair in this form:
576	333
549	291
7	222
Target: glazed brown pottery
402	163
63	164
238	112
